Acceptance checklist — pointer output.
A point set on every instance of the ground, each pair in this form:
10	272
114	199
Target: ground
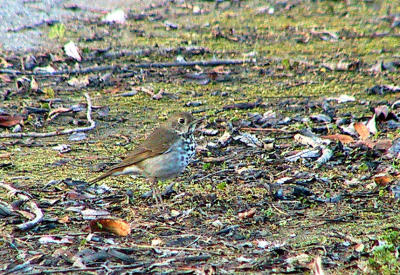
240	207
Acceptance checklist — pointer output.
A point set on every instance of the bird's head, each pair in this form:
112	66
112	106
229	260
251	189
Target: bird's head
182	123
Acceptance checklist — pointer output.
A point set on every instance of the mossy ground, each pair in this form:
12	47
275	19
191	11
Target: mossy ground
289	78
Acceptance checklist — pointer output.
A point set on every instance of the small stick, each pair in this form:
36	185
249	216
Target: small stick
31	204
267	130
38	217
59	133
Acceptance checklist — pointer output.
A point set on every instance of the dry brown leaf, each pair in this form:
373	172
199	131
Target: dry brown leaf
342	138
359	247
64	219
60	110
369	143
219	70
5	78
383	180
116	226
9	121
362	130
5	156
383	144
247	214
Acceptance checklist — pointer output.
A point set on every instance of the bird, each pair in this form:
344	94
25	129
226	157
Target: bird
163	155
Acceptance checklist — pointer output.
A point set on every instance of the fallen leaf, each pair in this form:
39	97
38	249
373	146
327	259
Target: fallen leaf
378	67
383	180
64	219
93	214
395	148
345	98
327	154
345	139
47	69
4	63
116	226
342	66
313	141
5	156
369	143
55	240
156	242
73	51
382	112
362	130
371	125
247	214
383	89
5	78
359	247
249	139
9	121
34	85
79	82
116	16
383	144
170	25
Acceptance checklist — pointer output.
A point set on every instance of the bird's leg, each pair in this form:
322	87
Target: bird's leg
156	193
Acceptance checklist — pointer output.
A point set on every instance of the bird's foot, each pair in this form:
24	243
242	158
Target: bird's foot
158	198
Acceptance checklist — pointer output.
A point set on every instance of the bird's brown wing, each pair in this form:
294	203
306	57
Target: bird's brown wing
151	147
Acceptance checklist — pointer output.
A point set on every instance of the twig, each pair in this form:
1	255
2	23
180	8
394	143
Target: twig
31	204
279	210
29	27
32	223
133	66
59	133
268	130
69	270
15	192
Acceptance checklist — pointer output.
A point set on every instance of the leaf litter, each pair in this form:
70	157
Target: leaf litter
289	177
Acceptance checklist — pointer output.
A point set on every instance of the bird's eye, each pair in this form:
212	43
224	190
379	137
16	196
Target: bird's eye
181	120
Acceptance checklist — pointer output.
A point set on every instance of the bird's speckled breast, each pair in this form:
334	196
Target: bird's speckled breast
173	161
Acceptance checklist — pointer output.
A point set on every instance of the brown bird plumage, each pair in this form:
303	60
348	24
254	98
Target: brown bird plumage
164	154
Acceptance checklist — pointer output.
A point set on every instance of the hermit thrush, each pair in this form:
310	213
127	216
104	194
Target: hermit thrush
164	154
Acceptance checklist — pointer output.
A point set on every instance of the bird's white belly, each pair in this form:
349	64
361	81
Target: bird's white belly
164	166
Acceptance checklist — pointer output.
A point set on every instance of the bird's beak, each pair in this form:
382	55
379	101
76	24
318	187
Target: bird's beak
194	123
197	121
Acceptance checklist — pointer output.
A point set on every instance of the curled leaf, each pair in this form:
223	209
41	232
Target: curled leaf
116	226
382	180
345	139
247	214
362	130
9	121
